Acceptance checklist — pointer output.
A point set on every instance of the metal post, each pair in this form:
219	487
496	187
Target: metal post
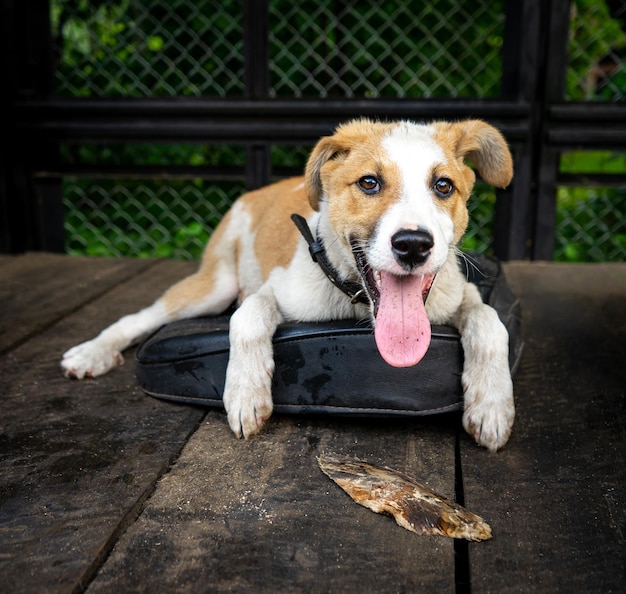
520	72
547	163
256	56
33	210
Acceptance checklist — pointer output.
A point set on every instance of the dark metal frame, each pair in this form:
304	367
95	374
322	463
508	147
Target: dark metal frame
531	113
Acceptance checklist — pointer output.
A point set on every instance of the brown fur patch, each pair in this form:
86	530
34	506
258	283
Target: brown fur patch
195	288
359	137
456	204
270	209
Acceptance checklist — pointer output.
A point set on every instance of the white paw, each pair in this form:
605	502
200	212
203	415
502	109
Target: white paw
248	398
489	412
90	359
489	425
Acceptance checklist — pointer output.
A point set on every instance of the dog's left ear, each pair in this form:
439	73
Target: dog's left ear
485	147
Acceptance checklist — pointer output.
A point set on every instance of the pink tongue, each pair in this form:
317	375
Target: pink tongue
402	327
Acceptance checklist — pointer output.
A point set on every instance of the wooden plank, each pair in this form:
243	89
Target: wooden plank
259	515
555	496
38	288
78	458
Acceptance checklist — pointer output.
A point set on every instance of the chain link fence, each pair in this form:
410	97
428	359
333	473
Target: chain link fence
325	48
319	49
148	48
591	221
146	218
597	51
152	219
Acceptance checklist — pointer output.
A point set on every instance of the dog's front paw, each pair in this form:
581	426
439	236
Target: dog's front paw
248	400
489	424
90	359
489	408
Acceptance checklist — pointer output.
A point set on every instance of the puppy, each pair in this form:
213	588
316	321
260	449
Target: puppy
385	205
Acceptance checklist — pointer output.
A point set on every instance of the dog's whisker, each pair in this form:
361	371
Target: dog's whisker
469	261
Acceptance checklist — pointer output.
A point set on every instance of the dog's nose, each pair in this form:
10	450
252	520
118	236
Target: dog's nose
412	246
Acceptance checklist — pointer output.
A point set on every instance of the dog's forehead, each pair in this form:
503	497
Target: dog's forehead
413	148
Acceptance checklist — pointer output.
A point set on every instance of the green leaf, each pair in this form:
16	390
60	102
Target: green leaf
155	43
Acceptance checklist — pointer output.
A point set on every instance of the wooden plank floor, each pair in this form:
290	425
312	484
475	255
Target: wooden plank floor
105	489
559	504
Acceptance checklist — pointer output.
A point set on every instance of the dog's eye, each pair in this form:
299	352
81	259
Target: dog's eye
443	187
369	184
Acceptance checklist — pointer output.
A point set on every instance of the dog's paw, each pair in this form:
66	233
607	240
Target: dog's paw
248	400
490	424
488	386
489	406
90	359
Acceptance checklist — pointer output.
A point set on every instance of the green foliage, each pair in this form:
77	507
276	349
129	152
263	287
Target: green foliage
593	35
144	218
479	235
186	243
591	225
148	47
591	222
87	42
152	154
593	162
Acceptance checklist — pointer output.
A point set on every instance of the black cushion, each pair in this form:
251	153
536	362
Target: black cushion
329	367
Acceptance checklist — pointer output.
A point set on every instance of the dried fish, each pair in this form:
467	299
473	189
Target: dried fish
413	505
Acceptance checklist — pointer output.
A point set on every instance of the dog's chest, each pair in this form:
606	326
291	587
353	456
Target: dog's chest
303	292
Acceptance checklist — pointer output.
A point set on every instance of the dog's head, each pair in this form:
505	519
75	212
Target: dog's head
396	196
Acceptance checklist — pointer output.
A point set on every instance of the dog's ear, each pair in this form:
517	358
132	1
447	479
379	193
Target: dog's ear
485	147
326	149
333	150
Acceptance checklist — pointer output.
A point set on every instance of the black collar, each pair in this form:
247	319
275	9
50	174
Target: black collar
355	291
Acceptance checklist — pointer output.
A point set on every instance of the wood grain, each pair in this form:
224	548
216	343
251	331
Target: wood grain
37	289
260	516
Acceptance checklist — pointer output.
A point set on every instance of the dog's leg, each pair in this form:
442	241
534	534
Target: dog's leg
489	407
248	387
209	291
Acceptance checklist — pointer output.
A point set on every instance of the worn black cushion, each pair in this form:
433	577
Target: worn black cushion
330	367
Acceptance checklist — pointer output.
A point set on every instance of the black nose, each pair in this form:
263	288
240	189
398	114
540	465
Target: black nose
412	246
